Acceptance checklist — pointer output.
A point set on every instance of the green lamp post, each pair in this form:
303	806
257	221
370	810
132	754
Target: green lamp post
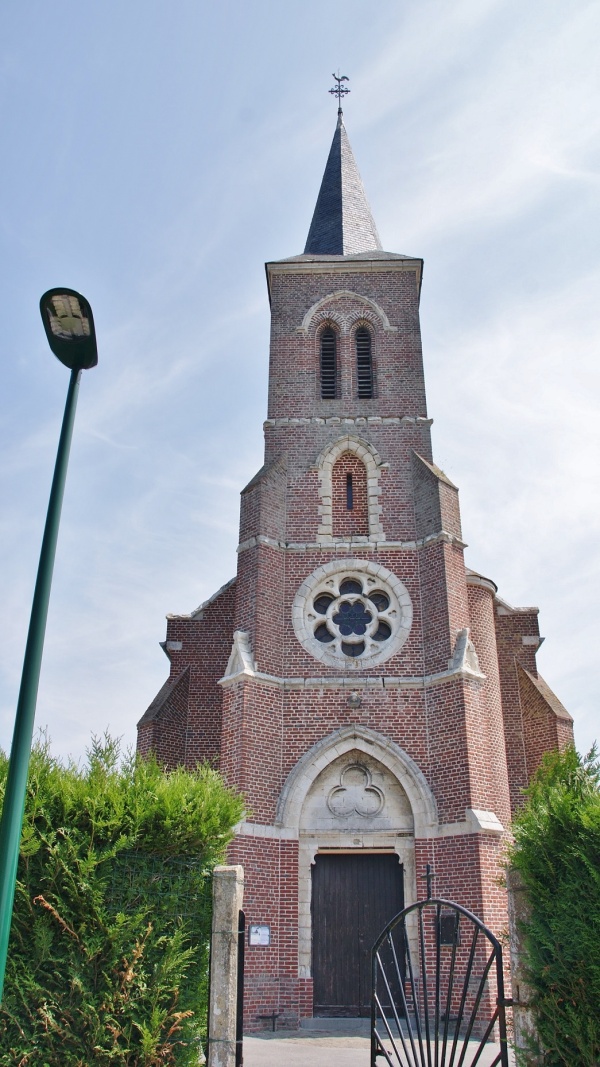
69	326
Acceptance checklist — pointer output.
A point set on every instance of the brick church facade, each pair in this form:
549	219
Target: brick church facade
377	703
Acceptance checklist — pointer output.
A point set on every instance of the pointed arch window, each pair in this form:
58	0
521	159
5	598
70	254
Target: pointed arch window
328	364
364	363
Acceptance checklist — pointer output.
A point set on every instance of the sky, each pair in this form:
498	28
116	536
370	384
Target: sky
156	154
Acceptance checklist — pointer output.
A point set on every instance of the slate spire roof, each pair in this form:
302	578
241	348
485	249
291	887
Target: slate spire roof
342	224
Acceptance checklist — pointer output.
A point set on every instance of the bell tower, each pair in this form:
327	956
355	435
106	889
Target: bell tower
376	702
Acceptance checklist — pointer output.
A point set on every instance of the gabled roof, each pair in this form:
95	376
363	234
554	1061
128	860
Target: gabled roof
162	700
549	699
342	223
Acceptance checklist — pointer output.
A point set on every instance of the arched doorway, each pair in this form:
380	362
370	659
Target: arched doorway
360	819
355	794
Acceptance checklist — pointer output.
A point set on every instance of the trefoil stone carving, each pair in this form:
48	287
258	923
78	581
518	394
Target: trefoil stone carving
356	794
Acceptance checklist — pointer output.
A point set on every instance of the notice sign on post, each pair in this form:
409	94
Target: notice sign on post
259	934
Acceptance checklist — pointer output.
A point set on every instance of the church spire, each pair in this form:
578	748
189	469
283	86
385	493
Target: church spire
342	224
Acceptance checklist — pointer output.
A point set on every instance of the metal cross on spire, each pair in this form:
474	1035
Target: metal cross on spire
340	90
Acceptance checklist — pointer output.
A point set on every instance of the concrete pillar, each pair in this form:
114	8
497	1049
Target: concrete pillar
524	1034
228	898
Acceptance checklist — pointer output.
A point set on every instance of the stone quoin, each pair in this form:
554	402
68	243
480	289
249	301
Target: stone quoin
377	703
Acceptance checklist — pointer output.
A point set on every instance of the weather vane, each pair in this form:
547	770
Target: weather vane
340	90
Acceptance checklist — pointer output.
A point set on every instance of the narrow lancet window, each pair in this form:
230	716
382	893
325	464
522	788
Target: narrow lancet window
328	365
349	499
364	363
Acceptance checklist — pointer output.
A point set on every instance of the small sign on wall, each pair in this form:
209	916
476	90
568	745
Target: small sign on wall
448	928
259	934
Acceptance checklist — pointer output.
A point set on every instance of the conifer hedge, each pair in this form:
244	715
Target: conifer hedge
109	943
557	851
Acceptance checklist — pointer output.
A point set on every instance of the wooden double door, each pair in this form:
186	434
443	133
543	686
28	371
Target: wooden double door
354	896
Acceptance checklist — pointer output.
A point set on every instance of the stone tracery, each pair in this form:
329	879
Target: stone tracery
354	611
355	793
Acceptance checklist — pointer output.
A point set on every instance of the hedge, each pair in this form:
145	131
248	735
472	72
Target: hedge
109	942
557	851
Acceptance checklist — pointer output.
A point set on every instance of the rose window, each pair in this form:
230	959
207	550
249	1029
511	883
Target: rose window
352	617
352	610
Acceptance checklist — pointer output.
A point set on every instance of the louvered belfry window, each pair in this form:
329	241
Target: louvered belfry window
364	363
328	364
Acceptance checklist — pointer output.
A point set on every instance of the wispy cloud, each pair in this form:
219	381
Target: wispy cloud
475	125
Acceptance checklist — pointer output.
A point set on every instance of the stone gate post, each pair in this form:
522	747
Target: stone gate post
518	915
228	898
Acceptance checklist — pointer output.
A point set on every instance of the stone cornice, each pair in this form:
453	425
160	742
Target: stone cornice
341	421
481	582
344	546
242	667
476	822
348	682
345	265
504	608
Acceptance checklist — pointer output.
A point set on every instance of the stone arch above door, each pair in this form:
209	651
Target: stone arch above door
355	793
354	790
357	740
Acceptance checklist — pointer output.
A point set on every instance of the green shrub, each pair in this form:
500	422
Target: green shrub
108	952
557	851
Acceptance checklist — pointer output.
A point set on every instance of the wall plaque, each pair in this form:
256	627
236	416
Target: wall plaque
259	934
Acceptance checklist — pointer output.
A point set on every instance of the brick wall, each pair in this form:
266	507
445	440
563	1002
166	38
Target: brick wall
271	972
294	387
547	724
183	723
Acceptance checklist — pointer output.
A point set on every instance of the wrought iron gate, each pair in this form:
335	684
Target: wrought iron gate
239	1015
438	990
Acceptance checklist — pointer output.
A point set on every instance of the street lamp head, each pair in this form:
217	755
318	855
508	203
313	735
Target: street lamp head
69	326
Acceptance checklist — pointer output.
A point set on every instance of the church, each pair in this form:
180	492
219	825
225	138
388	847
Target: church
376	702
